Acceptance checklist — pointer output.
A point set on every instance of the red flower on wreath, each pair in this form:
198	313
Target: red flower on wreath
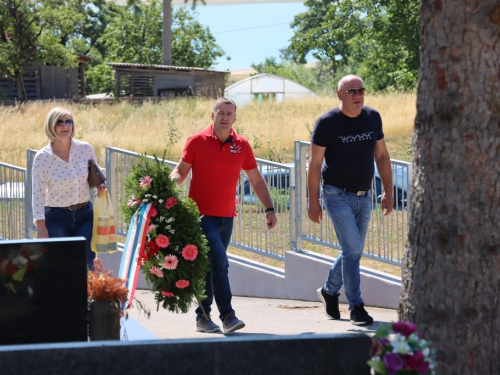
171	202
190	252
167	294
153	211
181	284
162	240
10	269
151	249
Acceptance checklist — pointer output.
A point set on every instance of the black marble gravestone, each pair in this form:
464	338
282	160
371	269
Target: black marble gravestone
43	291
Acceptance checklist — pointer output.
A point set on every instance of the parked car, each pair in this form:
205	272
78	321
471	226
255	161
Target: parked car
400	189
279	178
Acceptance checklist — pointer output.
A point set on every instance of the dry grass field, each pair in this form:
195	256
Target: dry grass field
152	128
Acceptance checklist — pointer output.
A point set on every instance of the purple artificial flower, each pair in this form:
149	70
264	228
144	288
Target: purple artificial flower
393	362
404	328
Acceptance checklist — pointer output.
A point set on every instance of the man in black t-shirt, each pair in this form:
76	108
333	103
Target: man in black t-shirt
345	143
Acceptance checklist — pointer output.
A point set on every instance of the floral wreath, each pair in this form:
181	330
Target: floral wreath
175	261
398	348
16	265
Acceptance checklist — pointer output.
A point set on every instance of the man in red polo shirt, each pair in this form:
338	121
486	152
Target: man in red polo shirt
216	155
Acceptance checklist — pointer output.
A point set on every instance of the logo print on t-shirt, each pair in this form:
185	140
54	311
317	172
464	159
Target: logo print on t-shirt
357	137
235	149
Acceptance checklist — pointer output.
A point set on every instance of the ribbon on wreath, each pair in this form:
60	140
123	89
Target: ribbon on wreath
133	250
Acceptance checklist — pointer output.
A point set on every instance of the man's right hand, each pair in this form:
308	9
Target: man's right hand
315	212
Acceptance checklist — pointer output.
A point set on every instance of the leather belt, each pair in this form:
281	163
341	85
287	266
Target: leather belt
358	193
75	207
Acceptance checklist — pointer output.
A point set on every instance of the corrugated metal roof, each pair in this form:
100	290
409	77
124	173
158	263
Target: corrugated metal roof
163	67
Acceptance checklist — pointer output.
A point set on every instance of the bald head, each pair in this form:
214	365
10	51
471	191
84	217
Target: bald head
344	81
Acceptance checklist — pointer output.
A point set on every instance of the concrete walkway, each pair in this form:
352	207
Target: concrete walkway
262	317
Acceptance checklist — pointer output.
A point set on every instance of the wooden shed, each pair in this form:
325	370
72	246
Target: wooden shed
141	80
48	82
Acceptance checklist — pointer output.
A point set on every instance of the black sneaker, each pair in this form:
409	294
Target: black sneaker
331	303
359	316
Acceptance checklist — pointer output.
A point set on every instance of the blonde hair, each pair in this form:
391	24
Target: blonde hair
50	122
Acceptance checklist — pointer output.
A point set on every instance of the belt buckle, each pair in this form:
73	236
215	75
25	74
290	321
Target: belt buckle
361	192
69	207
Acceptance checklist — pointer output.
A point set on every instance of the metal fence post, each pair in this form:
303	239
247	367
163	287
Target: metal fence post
296	234
28	219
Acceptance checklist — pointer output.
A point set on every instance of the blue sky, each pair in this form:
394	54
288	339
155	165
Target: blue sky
249	33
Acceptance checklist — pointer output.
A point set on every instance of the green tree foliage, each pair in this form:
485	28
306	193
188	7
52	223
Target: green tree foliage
33	33
134	36
378	40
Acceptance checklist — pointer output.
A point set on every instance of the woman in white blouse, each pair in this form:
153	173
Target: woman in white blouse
61	198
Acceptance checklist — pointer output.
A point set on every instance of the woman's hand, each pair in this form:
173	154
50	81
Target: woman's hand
100	189
41	229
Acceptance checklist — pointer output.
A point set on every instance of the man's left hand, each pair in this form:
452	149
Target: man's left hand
272	220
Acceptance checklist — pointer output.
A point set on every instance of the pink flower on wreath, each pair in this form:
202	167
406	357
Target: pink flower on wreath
167	294
151	227
171	262
190	252
162	240
181	284
156	271
132	200
171	202
146	182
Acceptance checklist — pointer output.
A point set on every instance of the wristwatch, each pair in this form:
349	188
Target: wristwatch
269	209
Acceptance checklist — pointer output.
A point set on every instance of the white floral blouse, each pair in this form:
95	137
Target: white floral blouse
57	183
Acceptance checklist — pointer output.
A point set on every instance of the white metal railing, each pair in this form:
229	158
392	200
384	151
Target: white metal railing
386	238
387	235
12	201
249	231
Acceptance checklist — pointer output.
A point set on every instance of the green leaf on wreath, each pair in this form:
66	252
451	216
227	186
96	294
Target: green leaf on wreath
378	366
383	331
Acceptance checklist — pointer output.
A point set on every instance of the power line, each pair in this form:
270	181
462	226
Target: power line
263	27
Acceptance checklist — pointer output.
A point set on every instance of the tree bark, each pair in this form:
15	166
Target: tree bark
21	90
451	270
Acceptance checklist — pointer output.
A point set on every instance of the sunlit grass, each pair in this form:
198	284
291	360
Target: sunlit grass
270	127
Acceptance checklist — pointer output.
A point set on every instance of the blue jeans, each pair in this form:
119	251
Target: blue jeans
350	215
66	223
218	232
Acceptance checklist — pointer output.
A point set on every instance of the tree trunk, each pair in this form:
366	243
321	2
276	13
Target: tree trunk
21	90
167	32
451	271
